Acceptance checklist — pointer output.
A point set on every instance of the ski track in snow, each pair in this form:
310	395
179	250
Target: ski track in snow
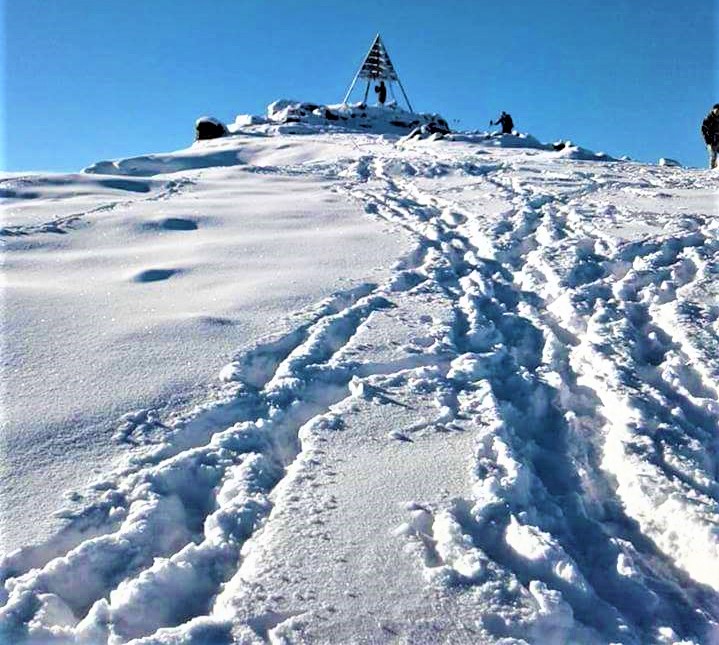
563	377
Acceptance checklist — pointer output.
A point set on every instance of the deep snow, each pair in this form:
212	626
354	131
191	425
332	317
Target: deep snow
137	293
505	433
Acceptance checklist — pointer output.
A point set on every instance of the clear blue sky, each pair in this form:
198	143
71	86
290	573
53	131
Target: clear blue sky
86	80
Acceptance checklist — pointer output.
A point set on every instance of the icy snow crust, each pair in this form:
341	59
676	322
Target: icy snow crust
510	438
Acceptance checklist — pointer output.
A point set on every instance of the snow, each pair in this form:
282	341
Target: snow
143	296
466	391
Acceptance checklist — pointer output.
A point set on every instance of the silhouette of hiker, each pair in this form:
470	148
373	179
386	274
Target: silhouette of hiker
505	120
381	91
710	132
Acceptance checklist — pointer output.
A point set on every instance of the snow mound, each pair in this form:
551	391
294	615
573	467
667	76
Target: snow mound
155	164
666	161
220	145
563	149
570	151
298	117
284	117
499	140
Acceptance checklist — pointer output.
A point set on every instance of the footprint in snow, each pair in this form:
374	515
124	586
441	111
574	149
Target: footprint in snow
178	224
155	275
131	185
215	321
422	341
171	224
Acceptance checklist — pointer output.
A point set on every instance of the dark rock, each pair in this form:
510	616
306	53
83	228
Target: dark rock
208	127
441	126
438	126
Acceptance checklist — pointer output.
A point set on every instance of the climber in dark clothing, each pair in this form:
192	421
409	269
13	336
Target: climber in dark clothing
381	91
505	121
710	132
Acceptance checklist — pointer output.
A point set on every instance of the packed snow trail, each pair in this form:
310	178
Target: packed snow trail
511	439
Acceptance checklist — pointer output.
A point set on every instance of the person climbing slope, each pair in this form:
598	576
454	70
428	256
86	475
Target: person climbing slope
710	132
505	120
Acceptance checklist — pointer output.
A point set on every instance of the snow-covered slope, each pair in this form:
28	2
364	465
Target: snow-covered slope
125	293
507	434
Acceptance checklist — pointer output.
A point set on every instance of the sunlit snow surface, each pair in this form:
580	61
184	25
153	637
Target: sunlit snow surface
507	434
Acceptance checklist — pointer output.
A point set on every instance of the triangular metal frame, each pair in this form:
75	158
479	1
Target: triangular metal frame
377	66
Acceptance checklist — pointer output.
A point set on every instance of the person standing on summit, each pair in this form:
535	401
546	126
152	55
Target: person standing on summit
381	91
505	120
710	132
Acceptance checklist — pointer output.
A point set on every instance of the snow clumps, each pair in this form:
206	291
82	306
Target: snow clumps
298	117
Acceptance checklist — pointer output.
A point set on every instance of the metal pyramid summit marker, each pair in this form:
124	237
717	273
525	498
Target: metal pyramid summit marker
377	66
